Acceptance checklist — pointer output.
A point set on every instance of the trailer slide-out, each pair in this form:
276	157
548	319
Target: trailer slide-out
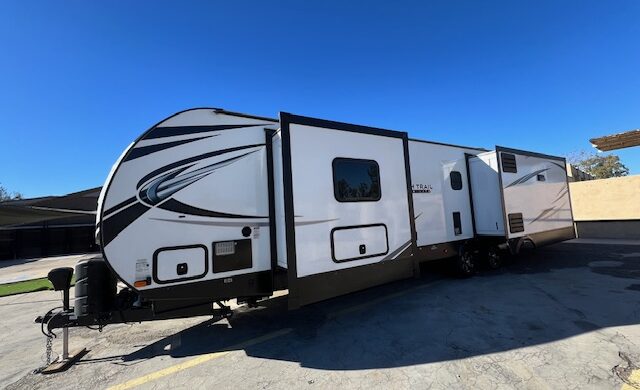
210	205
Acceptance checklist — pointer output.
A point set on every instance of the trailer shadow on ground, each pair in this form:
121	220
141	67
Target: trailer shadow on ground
549	294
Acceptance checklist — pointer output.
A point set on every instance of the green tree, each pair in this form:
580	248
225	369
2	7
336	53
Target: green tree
7	195
600	166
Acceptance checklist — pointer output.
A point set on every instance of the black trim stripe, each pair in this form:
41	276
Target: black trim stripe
527	153
326	124
146	150
412	218
468	156
179	207
162	132
273	243
450	145
243	115
294	300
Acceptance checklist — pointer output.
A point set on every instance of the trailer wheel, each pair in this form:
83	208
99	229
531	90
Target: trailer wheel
466	262
494	258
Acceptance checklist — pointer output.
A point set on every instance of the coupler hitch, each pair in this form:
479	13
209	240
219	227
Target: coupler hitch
98	303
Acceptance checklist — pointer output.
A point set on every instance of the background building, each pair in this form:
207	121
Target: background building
48	226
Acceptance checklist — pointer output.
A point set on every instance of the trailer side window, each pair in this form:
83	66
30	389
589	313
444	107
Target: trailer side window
456	180
356	180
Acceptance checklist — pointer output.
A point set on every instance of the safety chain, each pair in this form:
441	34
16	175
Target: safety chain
48	347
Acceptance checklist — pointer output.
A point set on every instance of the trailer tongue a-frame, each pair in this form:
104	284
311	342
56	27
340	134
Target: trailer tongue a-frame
210	205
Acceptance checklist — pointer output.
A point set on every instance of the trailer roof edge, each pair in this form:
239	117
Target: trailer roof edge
528	153
243	115
447	144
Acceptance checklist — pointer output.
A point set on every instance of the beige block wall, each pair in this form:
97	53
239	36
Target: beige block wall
606	199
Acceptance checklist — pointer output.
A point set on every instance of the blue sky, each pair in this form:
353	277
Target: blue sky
81	79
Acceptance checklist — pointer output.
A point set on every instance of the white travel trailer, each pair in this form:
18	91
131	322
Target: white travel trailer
210	205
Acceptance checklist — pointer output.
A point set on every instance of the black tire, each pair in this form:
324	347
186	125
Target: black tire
466	262
494	258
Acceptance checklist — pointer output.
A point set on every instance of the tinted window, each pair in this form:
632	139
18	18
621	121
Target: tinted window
356	180
456	180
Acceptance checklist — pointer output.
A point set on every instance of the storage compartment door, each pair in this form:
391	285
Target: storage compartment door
180	263
359	242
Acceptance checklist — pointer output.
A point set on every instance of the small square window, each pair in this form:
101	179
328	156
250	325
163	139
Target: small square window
356	180
456	180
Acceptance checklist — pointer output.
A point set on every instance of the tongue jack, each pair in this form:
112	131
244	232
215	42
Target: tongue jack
60	278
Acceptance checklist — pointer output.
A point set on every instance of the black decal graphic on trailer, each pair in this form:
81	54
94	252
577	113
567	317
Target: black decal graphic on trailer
146	150
158	193
213	223
526	177
113	225
396	252
193	159
120	205
162	132
166	185
181	208
545	214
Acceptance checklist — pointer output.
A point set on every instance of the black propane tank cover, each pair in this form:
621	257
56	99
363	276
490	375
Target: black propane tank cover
95	288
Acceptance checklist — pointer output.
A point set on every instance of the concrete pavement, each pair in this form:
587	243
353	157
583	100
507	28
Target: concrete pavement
565	316
26	269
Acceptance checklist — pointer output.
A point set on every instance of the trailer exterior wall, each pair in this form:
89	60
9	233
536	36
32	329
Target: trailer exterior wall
189	195
539	191
485	187
435	197
320	224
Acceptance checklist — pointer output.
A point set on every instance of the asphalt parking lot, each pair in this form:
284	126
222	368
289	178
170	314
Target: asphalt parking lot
564	316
